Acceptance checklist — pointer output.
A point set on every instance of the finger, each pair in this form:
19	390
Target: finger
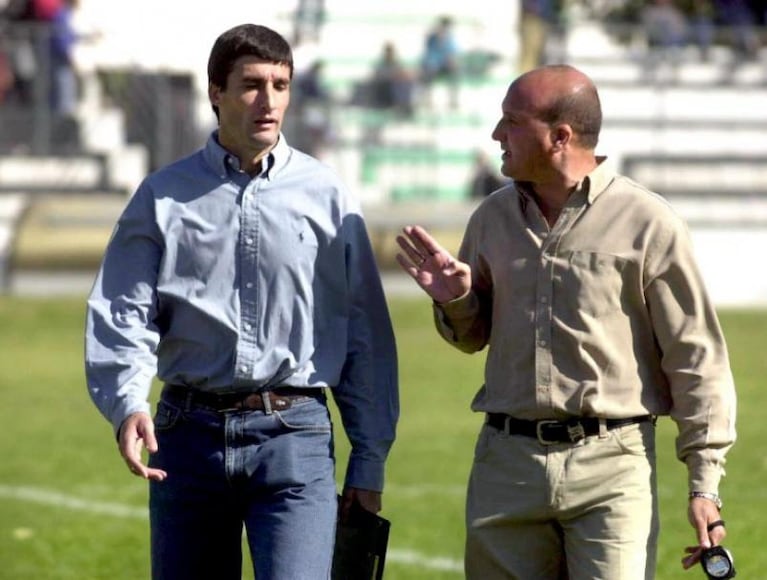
370	500
141	470
415	257
700	513
692	558
130	446
155	474
345	504
150	441
714	525
424	244
408	266
716	532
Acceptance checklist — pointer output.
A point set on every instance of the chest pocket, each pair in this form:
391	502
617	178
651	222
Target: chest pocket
592	283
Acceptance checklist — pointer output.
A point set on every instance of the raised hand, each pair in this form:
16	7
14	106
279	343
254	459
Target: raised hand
434	269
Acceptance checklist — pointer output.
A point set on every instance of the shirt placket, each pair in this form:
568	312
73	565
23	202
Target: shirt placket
543	323
247	343
544	305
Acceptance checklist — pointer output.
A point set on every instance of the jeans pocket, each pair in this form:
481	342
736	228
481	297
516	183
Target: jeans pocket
166	416
309	416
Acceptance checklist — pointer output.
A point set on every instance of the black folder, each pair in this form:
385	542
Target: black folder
361	542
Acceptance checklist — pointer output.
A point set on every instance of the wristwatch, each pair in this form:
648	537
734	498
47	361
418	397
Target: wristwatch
709	496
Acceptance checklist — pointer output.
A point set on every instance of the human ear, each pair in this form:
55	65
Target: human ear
561	135
214	93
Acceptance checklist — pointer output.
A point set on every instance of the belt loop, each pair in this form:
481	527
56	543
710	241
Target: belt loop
188	400
506	428
267	402
602	428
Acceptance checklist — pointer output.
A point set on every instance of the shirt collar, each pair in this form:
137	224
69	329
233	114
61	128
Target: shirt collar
222	161
592	185
596	182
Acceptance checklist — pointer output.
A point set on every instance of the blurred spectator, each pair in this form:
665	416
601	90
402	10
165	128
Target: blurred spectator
739	19
664	24
27	30
485	178
6	74
309	84
45	10
392	85
308	20
701	15
665	28
63	72
440	57
311	102
538	19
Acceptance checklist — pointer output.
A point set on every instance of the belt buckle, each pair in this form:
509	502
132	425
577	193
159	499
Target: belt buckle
539	431
576	432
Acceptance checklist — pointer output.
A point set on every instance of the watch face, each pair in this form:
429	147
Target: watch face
718	566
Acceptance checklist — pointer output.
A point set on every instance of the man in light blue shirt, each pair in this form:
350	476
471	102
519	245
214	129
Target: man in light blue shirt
242	276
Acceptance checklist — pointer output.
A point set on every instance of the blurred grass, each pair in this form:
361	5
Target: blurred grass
55	441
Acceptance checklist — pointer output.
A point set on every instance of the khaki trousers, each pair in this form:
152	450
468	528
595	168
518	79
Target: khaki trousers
582	511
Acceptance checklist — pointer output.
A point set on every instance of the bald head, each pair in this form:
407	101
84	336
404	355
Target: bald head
558	94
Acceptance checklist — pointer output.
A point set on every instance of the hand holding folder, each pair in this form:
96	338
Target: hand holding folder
361	542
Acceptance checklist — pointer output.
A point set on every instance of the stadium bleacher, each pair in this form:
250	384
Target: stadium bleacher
694	134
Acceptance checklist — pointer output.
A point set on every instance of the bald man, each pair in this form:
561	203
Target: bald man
584	288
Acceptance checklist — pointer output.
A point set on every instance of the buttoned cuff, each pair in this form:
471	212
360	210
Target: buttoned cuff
704	475
463	307
365	474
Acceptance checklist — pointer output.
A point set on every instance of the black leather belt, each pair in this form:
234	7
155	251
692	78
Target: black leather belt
277	399
549	431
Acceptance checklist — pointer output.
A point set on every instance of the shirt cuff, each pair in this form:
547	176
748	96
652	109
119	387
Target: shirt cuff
365	474
463	307
704	475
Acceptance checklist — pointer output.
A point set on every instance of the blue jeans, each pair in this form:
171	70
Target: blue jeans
274	473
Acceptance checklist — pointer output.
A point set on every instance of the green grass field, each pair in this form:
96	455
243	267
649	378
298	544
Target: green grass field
70	510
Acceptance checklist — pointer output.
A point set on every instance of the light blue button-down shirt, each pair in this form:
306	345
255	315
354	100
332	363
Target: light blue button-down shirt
222	281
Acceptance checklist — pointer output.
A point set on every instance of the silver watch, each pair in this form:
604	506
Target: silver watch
709	496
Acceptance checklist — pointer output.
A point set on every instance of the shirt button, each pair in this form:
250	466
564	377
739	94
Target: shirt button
542	343
249	285
249	241
244	368
247	326
544	299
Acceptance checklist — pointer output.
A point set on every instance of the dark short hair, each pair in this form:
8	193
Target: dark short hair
246	40
581	110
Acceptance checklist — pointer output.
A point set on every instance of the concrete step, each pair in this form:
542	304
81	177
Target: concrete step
12	208
65	232
33	173
720	176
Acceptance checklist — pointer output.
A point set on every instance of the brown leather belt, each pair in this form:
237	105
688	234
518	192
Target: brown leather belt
549	432
277	399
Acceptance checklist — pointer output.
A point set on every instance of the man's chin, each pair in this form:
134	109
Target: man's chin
264	139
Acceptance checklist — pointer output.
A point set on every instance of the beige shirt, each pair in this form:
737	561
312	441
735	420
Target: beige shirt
603	315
